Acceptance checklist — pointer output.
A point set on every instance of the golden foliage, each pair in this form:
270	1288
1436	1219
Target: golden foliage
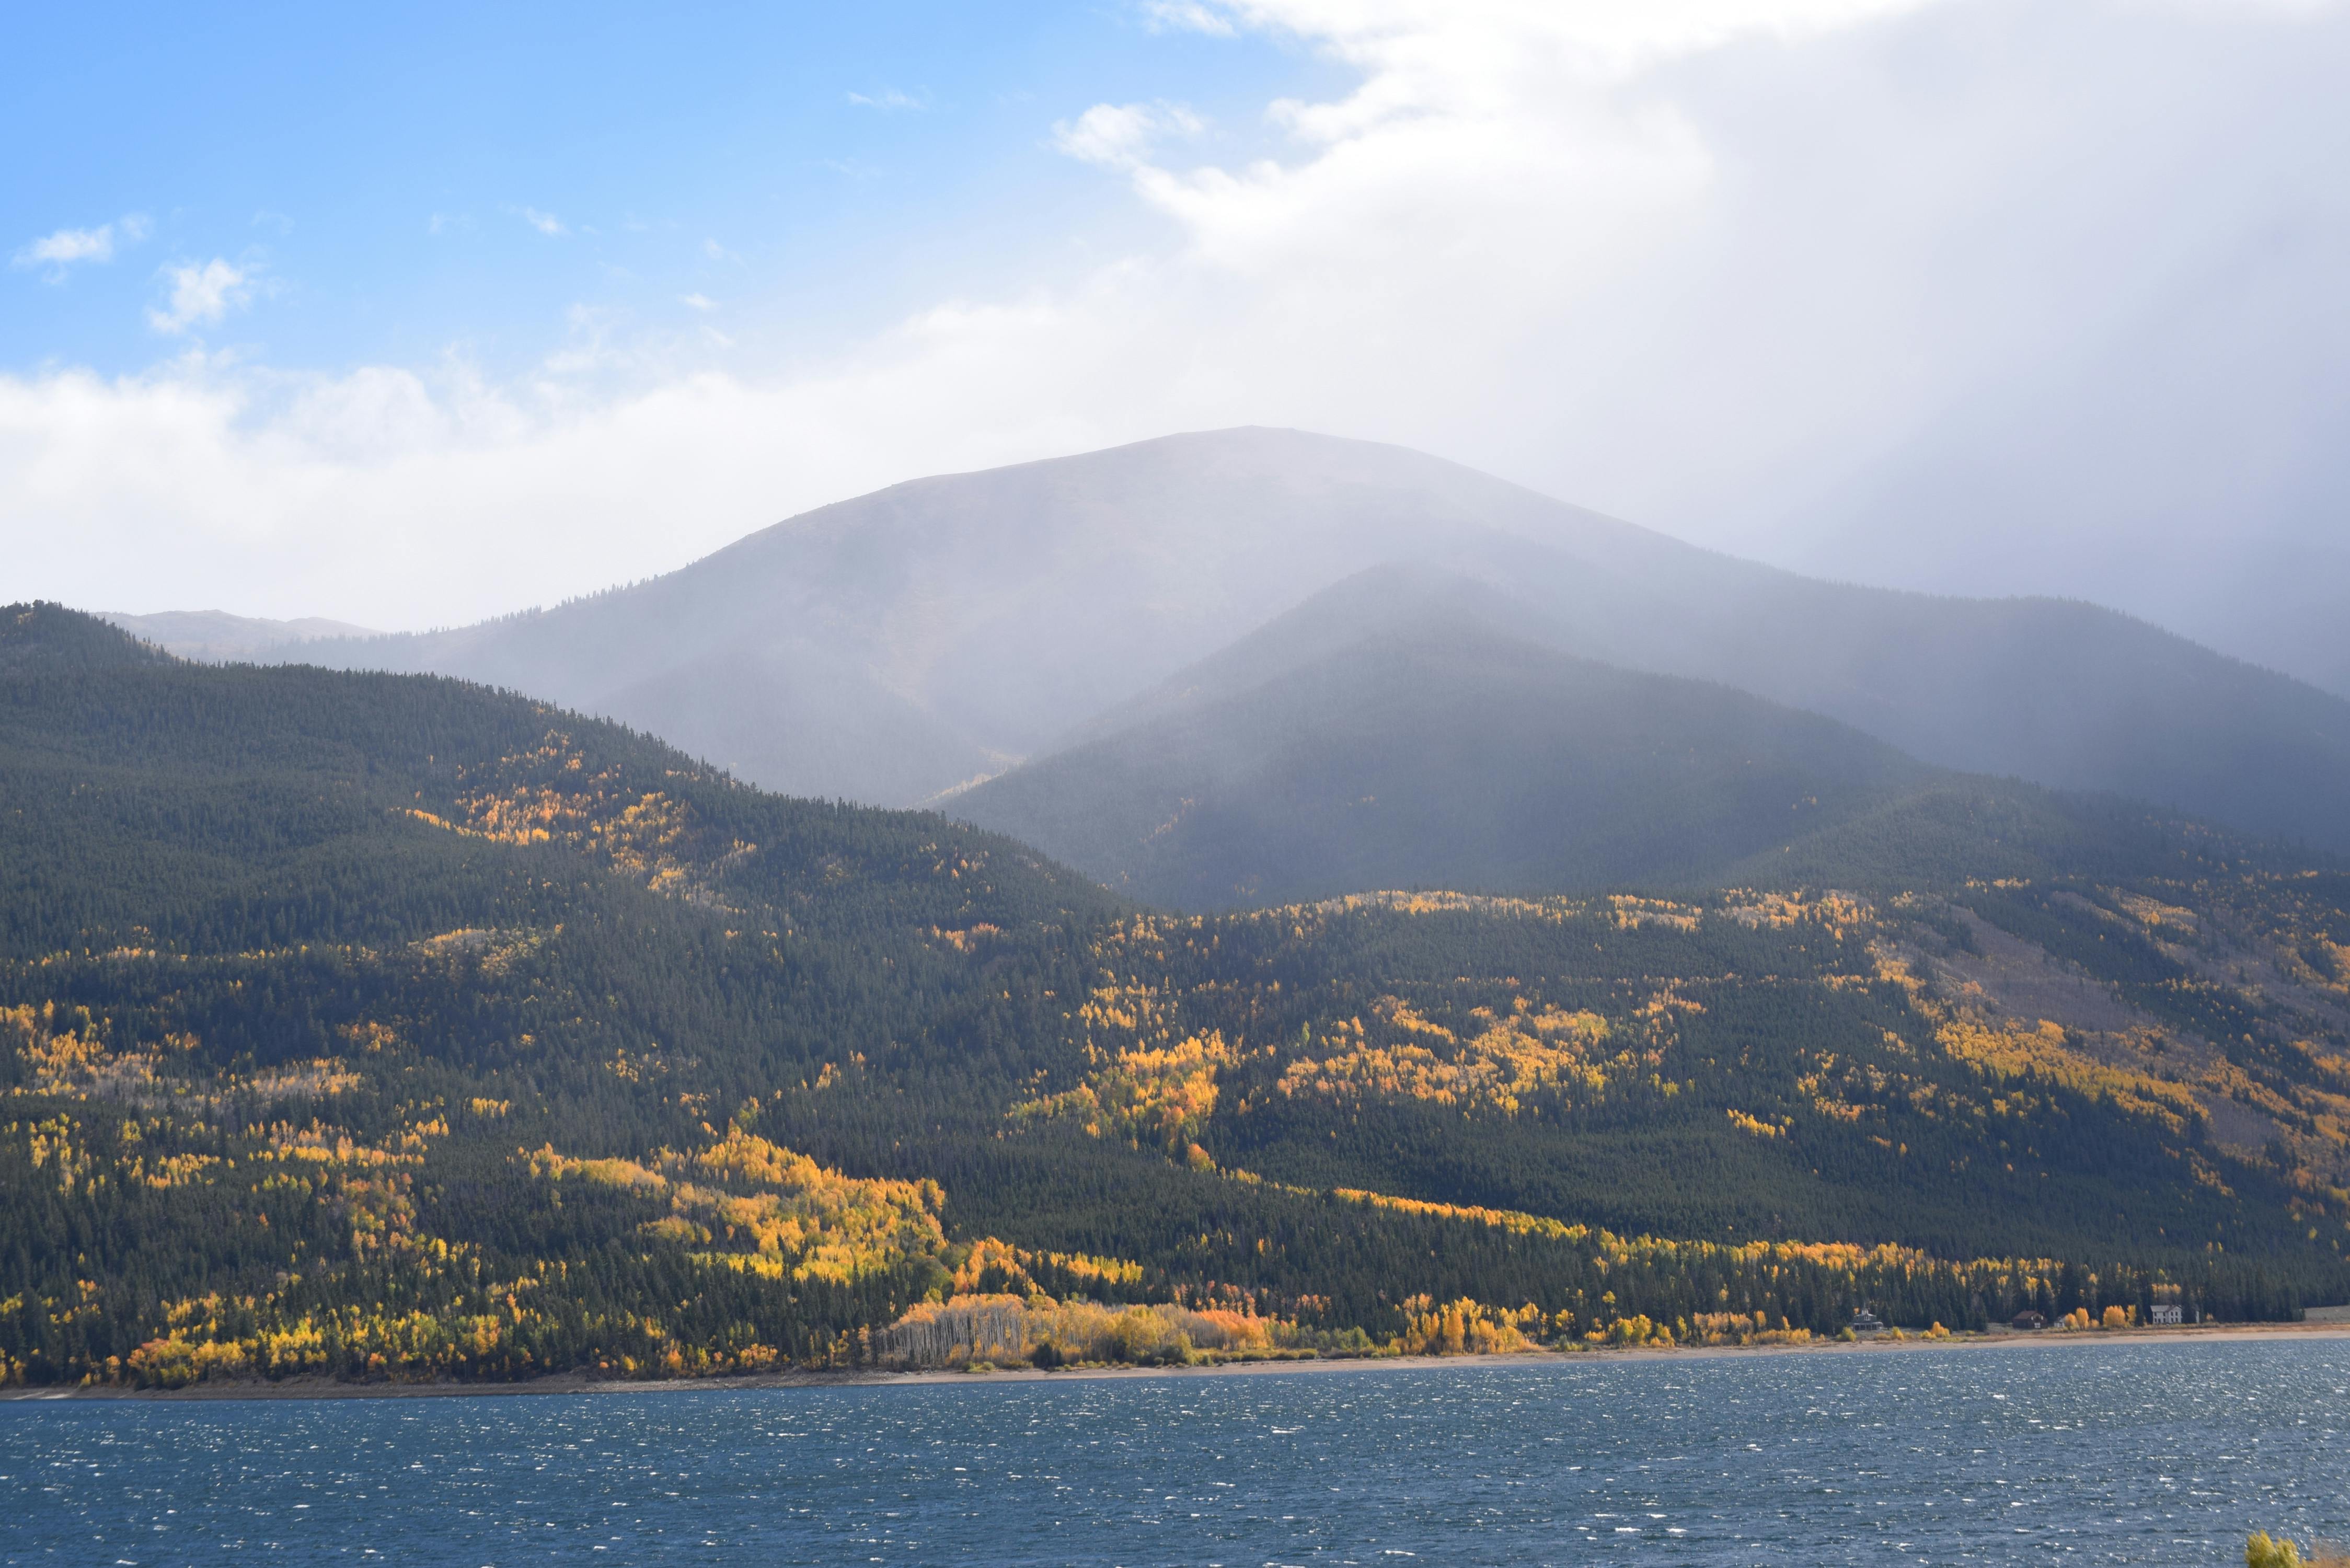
2041	1051
990	1266
1603	1322
64	1050
1636	1332
1753	1328
494	952
1500	1219
53	1148
798	1220
175	1169
2155	915
2262	1552
1506	1060
1465	1327
1632	912
1148	1094
1840	912
1437	903
370	1035
968	1330
547	795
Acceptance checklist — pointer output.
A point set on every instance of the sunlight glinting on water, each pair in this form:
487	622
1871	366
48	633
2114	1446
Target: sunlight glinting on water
2088	1453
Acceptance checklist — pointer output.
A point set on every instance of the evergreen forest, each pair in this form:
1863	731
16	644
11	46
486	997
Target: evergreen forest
387	1026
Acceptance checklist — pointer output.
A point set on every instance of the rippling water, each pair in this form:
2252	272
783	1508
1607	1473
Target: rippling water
2128	1452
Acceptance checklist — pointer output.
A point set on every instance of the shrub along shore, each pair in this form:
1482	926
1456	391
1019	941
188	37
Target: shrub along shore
1004	1336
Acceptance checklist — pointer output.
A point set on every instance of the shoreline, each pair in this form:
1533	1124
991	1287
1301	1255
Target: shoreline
572	1383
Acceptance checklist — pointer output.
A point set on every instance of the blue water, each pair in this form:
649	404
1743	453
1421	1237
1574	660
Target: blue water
2128	1452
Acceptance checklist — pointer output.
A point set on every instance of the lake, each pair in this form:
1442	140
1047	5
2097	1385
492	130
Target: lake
2082	1452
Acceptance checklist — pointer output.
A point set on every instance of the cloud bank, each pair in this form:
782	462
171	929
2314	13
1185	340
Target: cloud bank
1977	295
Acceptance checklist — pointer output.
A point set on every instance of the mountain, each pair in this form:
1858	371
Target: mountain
892	646
295	964
1384	736
218	636
392	1027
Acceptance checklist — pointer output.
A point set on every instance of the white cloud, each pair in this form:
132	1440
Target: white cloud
1432	41
69	246
888	99
1186	15
698	301
66	247
1957	293
1121	135
546	224
202	295
201	483
1742	268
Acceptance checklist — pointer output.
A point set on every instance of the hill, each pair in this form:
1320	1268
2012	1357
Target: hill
1441	757
388	1026
891	647
1381	735
41	640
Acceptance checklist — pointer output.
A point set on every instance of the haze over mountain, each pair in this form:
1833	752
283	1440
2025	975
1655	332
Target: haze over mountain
893	647
1416	729
222	638
890	646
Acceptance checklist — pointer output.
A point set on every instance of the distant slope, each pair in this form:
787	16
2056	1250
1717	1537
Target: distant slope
891	647
1317	758
2060	692
217	636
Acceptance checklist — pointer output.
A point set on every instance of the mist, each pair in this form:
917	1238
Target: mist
1979	297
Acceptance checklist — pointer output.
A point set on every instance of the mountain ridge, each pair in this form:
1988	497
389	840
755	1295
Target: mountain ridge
1406	730
219	637
891	646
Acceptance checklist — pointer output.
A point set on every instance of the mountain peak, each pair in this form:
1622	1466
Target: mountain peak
887	647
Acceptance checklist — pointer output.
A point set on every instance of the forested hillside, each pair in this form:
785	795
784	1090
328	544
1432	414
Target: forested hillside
383	1025
1339	751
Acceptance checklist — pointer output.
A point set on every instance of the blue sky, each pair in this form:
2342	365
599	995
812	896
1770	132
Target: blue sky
412	317
395	181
